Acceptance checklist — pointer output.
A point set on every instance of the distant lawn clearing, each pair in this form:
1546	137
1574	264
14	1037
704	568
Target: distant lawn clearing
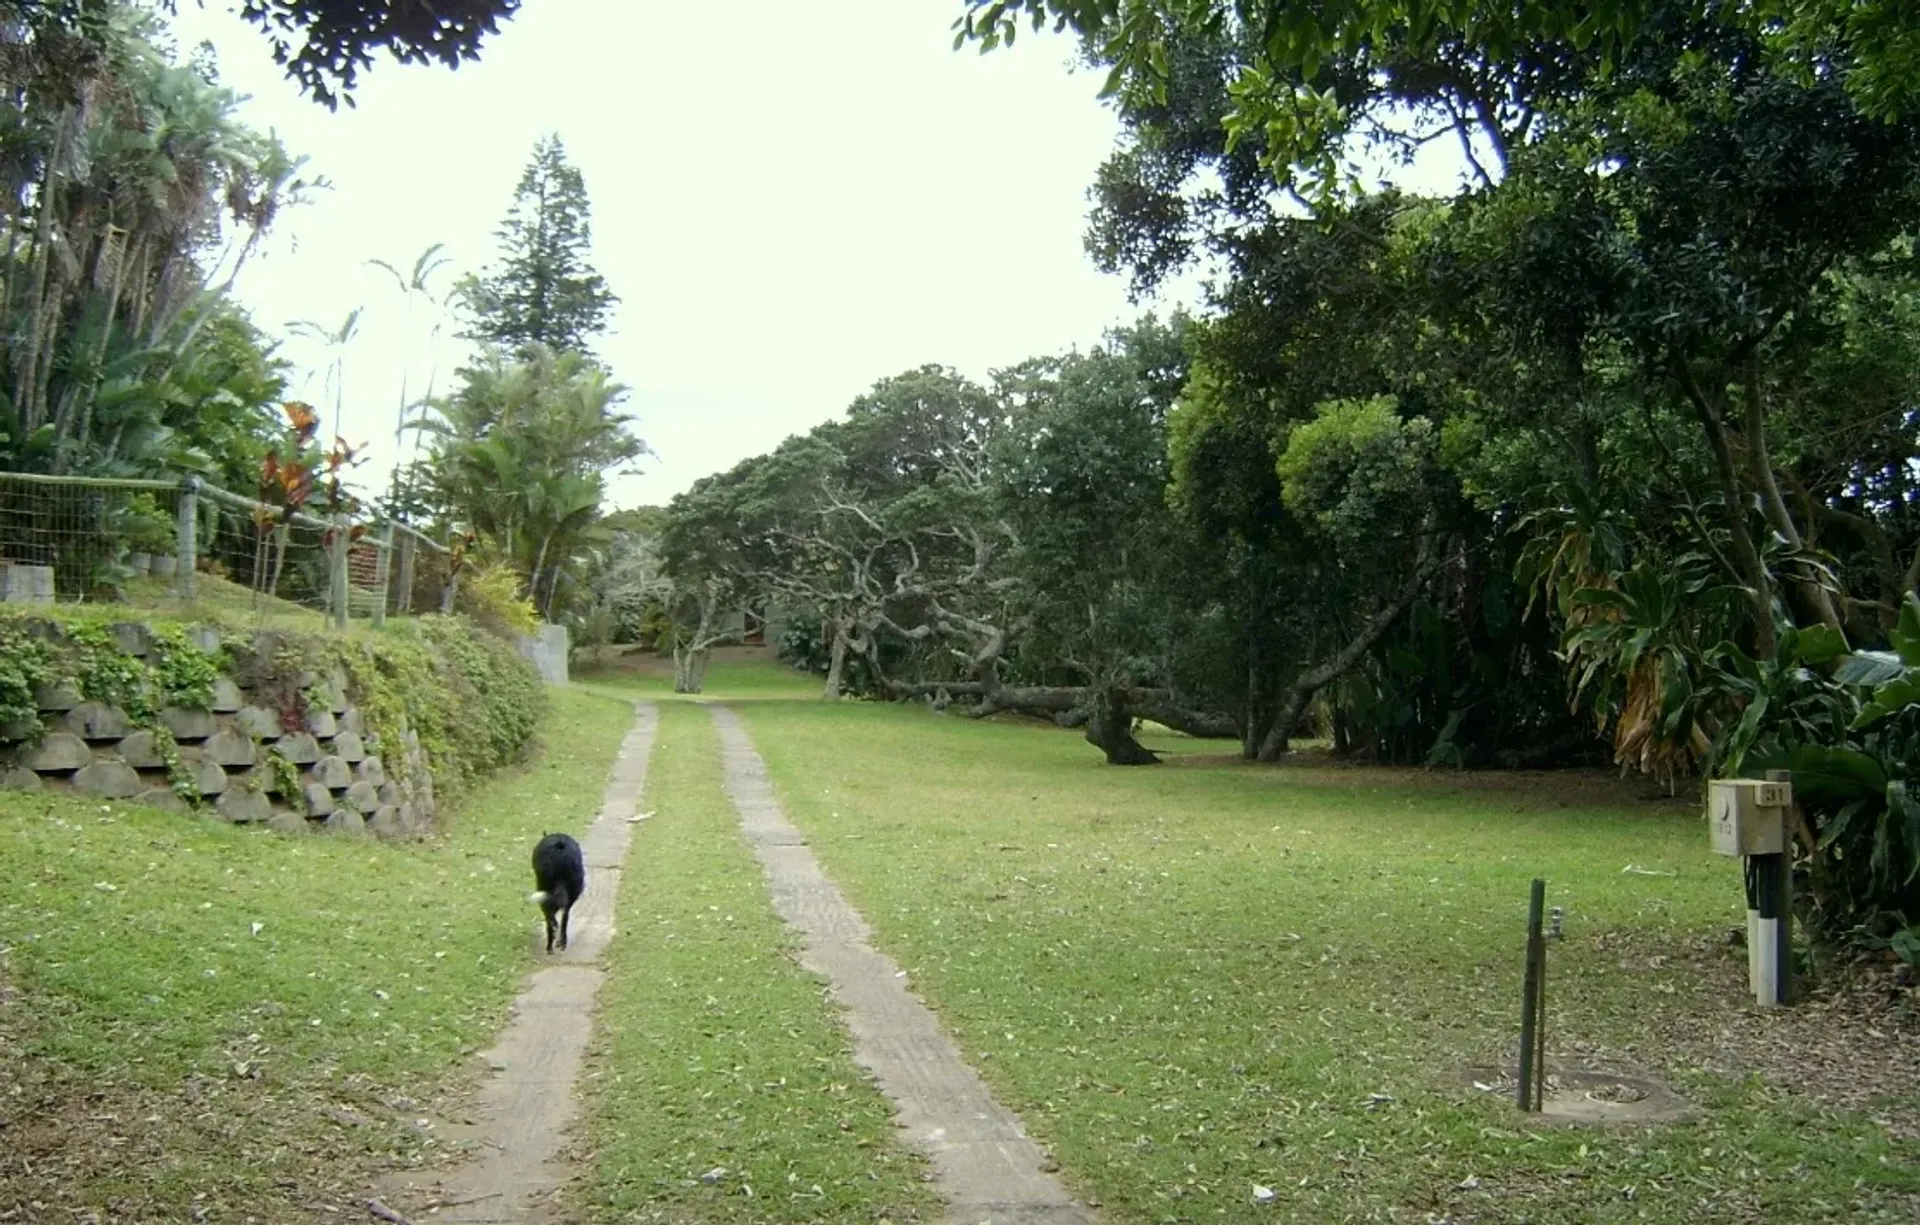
206	1023
1198	980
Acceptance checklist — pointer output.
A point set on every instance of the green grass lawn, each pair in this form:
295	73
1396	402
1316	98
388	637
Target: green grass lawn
208	1023
714	1050
738	674
1200	979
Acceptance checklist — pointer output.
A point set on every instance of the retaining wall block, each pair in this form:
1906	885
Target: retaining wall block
318	799
258	722
187	725
20	779
57	698
227	697
243	806
346	821
108	779
333	774
230	747
131	638
163	798
141	750
300	748
56	751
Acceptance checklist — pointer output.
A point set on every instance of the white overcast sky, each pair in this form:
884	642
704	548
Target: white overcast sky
791	201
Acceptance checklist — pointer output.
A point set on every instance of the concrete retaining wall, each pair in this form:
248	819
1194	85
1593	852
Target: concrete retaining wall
548	650
349	781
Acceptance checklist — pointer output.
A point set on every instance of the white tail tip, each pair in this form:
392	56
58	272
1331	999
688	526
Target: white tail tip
537	897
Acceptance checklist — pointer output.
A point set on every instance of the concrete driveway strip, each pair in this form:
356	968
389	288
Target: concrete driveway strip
986	1167
527	1104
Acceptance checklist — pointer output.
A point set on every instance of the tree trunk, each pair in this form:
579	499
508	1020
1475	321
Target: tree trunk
1342	733
539	564
1813	599
1300	693
1733	511
1164	710
690	668
836	664
1110	729
27	367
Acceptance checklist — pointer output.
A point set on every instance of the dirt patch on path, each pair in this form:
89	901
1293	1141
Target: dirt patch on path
526	1105
986	1166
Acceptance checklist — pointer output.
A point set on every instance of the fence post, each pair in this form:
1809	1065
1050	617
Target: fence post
337	587
186	538
403	598
452	588
383	572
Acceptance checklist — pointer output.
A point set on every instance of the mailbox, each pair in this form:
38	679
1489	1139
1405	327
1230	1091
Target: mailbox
1748	816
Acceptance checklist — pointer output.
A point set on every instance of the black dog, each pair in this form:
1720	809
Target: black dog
560	871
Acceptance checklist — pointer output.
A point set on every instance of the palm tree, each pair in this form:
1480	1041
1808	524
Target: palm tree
519	455
416	283
119	168
335	343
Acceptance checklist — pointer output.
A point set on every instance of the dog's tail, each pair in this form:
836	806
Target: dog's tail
538	897
556	899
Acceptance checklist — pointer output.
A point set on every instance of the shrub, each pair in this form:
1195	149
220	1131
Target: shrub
492	597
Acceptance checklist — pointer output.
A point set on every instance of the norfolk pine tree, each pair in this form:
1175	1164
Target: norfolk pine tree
543	291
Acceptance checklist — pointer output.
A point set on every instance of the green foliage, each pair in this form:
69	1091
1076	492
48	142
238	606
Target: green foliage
497	705
1356	467
544	293
107	674
179	777
145	527
802	644
519	455
183	674
133	363
1848	726
286	778
25	664
494	598
471	700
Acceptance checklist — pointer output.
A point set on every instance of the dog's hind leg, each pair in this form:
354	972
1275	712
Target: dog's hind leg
564	916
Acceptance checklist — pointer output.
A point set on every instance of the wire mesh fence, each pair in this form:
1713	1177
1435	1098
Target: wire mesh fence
76	539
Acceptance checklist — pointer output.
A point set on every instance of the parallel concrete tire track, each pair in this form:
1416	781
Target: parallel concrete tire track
986	1167
526	1106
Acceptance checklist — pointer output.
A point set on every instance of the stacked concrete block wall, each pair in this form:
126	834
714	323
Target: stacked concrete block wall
349	782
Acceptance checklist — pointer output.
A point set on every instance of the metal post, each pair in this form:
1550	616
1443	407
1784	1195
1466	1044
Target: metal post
337	588
383	570
186	538
1532	1054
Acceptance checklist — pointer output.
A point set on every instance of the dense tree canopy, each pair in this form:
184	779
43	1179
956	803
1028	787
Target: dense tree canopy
1608	453
122	353
326	44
